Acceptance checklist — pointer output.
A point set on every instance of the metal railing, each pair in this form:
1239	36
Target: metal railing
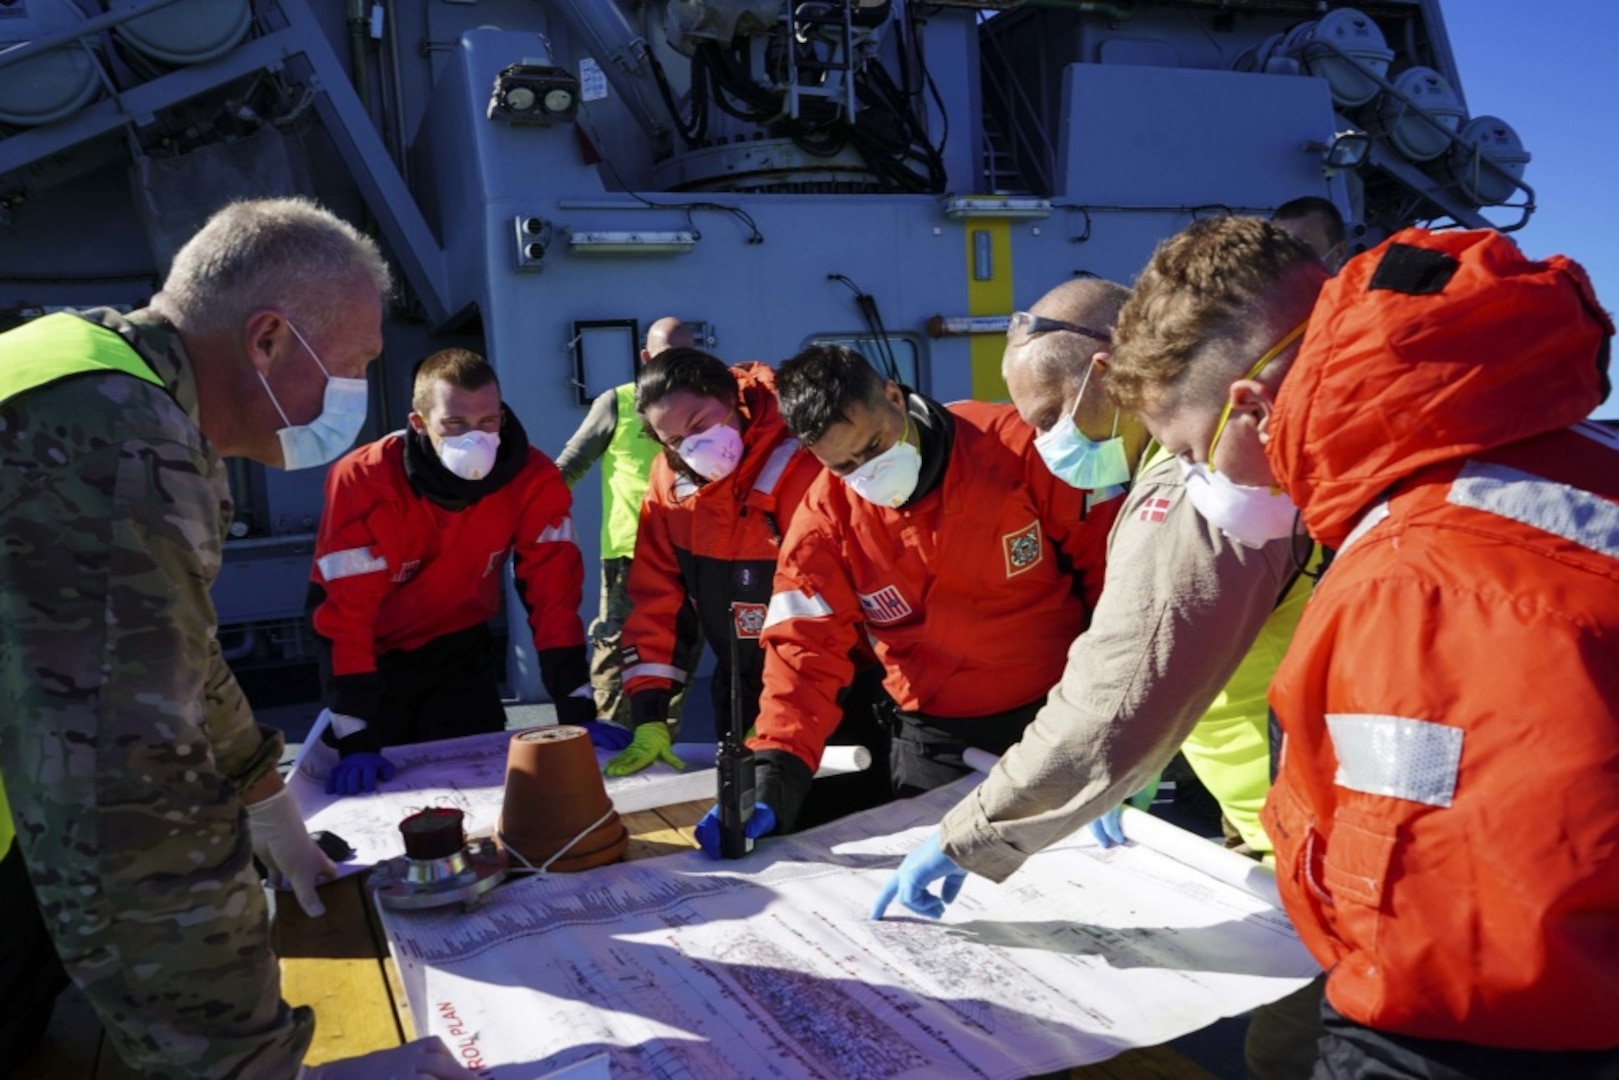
1034	160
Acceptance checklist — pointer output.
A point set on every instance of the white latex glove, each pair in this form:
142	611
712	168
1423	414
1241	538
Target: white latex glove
283	845
424	1059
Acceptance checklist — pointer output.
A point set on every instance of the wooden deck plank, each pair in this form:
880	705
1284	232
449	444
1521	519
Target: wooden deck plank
390	972
332	965
682	818
651	835
685	815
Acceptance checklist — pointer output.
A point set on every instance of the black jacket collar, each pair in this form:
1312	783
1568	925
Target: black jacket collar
936	430
432	481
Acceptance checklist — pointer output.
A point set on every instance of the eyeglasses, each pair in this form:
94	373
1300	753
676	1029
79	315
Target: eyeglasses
1026	325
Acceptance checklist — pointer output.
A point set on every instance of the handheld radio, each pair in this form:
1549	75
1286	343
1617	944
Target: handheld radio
734	762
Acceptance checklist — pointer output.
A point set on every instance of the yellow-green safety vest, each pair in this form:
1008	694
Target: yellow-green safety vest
1230	747
44	351
625	468
8	831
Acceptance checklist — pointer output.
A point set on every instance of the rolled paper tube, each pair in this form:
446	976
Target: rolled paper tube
434	833
835	760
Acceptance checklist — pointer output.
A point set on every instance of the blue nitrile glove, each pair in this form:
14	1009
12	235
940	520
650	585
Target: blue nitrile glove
1109	828
649	745
921	868
359	772
760	822
604	736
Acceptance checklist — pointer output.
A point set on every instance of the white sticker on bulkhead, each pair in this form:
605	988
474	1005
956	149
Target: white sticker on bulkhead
592	81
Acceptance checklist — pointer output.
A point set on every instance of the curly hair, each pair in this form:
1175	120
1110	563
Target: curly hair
1200	286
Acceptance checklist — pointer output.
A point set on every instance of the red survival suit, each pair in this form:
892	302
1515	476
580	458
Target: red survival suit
1446	818
971	594
403	559
705	556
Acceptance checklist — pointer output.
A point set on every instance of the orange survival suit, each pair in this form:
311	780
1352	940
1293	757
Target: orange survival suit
1446	817
970	594
705	556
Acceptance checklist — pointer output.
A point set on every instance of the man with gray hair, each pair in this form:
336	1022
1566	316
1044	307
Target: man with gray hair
141	786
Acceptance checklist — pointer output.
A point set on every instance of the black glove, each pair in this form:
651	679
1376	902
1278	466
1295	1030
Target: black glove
782	781
649	707
576	710
358	696
564	670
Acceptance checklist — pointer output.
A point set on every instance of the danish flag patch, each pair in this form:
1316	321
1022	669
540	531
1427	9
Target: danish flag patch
884	606
1155	509
407	571
1022	549
749	619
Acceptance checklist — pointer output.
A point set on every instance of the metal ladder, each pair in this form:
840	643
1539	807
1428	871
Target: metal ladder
804	21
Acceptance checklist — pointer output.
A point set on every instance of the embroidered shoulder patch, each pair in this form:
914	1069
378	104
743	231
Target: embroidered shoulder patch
885	606
749	619
1023	549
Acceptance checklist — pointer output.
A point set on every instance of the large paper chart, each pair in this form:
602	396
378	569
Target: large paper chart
769	966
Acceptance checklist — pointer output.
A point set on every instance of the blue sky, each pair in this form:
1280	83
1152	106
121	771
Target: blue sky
1550	70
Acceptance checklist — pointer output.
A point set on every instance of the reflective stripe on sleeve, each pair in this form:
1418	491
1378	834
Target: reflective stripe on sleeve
350	563
1597	433
770	475
1368	521
653	671
1397	756
561	532
1576	515
795	605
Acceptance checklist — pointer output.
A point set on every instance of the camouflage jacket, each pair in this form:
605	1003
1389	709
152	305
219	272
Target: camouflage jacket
113	510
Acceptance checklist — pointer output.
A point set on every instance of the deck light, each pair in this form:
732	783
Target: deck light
632	242
529	93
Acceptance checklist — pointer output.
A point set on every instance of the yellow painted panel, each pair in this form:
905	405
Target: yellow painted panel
991	297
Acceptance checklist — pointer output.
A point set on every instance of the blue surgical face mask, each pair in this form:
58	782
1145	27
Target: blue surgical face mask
1081	462
325	437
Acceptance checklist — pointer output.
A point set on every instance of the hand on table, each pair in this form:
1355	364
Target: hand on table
358	773
759	823
288	852
1109	828
605	736
921	868
649	745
